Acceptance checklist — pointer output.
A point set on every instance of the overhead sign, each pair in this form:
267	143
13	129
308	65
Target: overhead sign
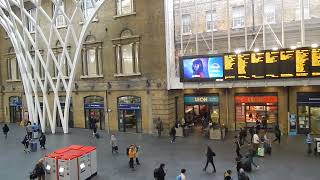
201	99
94	106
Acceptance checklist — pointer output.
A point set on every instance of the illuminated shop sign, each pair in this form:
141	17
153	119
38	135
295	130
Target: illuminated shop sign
201	99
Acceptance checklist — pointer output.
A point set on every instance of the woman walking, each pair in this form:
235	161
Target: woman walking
5	130
113	143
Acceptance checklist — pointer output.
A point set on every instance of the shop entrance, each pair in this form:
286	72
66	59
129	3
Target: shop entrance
15	109
251	109
129	114
199	111
94	109
308	113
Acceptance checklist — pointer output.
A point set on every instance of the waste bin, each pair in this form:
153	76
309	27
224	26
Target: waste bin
33	146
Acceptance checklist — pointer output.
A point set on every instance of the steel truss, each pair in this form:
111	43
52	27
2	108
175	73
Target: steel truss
14	18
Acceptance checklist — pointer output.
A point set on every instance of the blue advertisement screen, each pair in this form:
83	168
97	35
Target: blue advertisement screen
203	68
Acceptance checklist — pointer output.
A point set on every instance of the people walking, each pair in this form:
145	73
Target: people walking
131	154
227	175
209	155
114	144
237	144
309	143
39	170
159	173
25	143
256	141
242	136
277	133
42	140
173	134
5	130
29	130
182	175
251	131
242	175
159	126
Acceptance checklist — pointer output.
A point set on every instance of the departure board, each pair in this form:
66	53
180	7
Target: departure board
244	65
230	66
271	64
257	65
287	64
315	62
303	60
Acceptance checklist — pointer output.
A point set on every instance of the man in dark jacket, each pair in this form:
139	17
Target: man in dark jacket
5	130
173	134
242	175
42	141
160	174
39	170
210	155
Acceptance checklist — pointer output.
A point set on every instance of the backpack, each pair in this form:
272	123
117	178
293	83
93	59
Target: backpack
178	177
156	173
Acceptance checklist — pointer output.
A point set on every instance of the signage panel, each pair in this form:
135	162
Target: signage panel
287	63
201	99
315	62
272	64
230	66
257	65
302	62
244	65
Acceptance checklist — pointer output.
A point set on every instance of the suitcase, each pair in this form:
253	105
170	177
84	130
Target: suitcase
33	146
260	152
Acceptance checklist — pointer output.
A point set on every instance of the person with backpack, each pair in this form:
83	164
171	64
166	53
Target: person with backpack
173	134
25	143
182	175
159	173
5	130
42	140
227	175
242	175
309	143
210	154
242	136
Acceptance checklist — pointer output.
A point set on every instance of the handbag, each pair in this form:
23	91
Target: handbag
33	175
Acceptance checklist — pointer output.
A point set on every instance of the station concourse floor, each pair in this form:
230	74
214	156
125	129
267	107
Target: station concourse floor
288	161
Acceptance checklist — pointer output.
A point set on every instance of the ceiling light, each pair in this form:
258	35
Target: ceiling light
314	45
256	50
293	47
275	48
237	51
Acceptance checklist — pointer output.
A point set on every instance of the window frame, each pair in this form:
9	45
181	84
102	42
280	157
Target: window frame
306	11
119	11
31	27
270	12
240	18
60	15
186	26
213	15
87	46
85	10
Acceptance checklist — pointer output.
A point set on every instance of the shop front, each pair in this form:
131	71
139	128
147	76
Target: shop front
308	105
199	111
15	104
253	107
129	114
94	109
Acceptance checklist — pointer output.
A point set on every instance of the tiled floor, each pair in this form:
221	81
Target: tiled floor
288	161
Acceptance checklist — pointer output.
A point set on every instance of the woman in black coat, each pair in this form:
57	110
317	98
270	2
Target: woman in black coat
5	130
210	155
42	141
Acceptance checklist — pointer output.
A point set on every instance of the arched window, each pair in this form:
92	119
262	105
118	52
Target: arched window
91	57
127	53
12	66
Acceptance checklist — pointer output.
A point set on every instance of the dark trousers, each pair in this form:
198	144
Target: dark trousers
6	134
131	163
159	132
238	153
210	160
41	177
42	145
29	135
137	161
309	148
277	139
173	138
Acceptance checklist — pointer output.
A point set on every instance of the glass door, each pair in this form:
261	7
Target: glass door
130	120
315	120
303	119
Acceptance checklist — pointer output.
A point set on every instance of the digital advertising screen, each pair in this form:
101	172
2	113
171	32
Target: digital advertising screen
205	68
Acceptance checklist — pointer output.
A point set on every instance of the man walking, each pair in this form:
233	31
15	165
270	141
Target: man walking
131	155
159	173
182	175
210	155
5	130
277	133
159	126
309	143
173	134
42	140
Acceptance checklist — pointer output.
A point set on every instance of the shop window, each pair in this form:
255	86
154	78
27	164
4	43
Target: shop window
306	10
88	7
127	54
94	111
60	21
210	20
91	58
238	17
270	12
253	108
186	24
129	114
31	26
124	7
13	72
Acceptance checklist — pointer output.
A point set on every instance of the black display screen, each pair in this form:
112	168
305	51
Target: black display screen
315	62
244	65
230	66
257	65
303	60
272	64
287	64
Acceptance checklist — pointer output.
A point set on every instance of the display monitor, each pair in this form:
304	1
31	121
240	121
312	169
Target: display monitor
202	68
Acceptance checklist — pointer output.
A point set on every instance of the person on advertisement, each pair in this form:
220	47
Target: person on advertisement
197	68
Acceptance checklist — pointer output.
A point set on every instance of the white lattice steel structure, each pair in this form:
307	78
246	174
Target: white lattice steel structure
14	18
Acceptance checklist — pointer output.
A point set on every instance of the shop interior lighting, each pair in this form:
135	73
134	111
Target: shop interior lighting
275	48
293	47
314	45
237	51
256	50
